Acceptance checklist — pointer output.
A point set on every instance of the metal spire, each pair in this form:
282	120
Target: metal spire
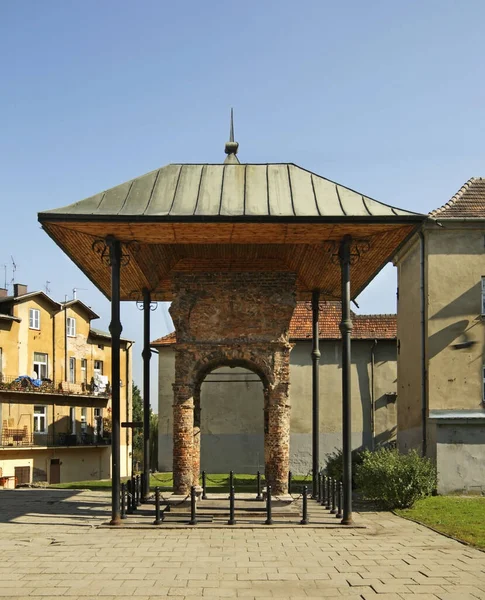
231	146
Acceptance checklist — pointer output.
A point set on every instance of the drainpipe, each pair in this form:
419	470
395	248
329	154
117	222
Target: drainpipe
128	392
424	398
65	339
53	372
372	396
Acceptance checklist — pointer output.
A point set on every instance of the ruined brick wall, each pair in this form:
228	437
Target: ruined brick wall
239	319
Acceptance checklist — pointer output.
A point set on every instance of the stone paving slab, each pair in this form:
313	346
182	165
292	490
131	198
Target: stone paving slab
51	546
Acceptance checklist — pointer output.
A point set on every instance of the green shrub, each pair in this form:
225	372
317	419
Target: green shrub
395	480
335	467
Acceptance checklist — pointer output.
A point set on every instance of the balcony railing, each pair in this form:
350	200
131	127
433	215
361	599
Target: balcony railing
23	383
18	438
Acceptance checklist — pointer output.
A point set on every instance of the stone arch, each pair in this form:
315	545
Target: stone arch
270	362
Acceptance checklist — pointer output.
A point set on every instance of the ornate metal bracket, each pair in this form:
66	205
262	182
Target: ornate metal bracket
101	247
140	305
357	249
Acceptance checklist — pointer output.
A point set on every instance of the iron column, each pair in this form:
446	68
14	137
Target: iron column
315	393
146	392
345	329
115	331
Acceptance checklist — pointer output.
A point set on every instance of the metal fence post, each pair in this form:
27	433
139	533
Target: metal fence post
334	497
138	488
269	517
304	520
319	488
339	514
232	520
259	496
193	516
328	499
323	499
158	517
290	477
204	483
129	506
123	504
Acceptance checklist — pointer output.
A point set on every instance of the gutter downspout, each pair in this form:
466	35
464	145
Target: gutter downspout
424	398
65	339
128	416
372	396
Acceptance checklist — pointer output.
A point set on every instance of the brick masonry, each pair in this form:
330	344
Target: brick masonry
234	319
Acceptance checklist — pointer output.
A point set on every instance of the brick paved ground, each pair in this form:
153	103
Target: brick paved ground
51	547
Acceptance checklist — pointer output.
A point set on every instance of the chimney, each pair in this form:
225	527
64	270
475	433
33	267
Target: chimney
3	293
19	289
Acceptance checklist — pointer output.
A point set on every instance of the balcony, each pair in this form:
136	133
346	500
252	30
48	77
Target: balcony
25	390
21	438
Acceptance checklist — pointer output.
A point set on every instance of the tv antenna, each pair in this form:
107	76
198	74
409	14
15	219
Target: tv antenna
14	269
47	288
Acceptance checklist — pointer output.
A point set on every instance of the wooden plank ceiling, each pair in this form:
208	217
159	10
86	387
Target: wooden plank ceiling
157	250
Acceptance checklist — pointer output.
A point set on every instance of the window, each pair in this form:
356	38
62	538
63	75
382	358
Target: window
41	370
72	419
1	366
84	419
483	295
84	370
34	318
98	422
40	419
98	367
72	370
71	327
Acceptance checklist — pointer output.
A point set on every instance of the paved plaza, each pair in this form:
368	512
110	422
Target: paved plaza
53	544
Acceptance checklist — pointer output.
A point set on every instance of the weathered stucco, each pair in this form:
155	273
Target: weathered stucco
409	357
232	413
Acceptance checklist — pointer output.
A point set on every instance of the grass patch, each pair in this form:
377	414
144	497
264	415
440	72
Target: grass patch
216	483
461	517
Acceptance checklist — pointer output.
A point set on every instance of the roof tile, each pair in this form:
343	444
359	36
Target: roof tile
364	326
468	202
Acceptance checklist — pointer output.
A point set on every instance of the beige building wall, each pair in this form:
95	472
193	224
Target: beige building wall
409	356
19	342
456	264
232	418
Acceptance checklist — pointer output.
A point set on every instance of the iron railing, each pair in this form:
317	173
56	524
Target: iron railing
18	438
23	383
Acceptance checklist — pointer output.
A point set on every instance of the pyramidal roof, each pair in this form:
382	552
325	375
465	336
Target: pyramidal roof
467	203
228	191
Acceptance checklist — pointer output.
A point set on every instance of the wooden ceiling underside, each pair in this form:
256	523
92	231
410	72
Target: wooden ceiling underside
165	248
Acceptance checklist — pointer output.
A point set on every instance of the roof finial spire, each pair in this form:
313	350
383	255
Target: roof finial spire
231	146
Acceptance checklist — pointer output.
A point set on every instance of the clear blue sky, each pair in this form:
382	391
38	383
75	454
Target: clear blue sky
385	97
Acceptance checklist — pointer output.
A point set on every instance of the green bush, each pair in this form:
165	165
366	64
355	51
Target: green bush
395	480
334	466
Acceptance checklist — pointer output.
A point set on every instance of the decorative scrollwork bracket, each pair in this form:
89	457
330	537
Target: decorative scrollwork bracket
101	246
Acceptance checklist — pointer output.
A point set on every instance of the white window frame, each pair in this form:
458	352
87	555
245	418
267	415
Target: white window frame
98	422
72	369
99	368
42	365
39	419
84	370
71	327
34	318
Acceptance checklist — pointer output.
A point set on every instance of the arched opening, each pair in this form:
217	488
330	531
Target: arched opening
229	403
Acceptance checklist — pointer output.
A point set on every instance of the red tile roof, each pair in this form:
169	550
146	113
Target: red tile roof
381	327
468	202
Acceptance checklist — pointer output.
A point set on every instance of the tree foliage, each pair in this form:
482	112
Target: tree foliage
138	433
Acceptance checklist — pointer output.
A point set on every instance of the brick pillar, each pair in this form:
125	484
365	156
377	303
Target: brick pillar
183	438
196	442
277	440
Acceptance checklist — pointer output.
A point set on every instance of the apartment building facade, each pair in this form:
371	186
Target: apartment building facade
55	423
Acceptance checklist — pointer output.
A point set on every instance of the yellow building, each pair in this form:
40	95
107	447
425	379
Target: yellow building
55	407
441	327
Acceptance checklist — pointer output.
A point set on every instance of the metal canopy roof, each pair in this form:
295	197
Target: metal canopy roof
229	217
216	191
